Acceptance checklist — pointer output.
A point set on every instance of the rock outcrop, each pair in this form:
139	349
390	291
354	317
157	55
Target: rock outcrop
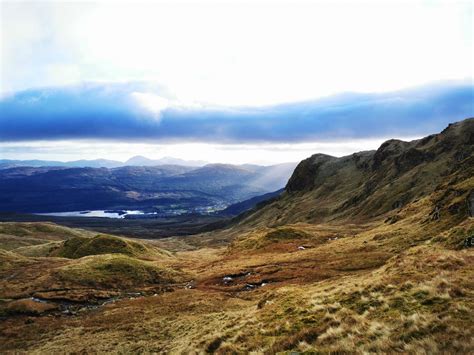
372	183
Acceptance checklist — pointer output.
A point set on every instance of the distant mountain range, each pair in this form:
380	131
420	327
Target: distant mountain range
102	163
150	188
143	161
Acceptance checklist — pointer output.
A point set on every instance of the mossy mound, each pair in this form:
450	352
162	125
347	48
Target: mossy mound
116	271
282	234
79	247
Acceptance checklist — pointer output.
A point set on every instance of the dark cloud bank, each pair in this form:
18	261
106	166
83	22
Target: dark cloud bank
110	112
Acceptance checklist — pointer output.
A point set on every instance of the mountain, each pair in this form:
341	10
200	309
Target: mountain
101	163
155	188
370	184
143	161
97	163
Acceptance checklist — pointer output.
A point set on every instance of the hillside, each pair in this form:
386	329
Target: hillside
370	253
55	264
368	185
240	207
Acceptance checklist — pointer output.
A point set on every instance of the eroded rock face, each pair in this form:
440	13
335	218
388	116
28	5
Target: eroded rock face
411	158
306	172
390	148
470	204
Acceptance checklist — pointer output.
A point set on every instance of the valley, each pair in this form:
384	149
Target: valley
162	190
367	253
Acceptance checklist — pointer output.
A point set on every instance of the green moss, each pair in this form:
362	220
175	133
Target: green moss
44	249
456	237
355	302
116	271
79	247
283	234
421	295
399	303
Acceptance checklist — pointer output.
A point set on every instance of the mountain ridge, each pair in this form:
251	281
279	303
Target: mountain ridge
137	160
368	184
140	160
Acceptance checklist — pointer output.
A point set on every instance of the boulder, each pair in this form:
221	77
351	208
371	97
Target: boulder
470	204
469	242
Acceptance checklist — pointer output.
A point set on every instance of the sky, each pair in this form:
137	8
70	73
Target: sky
229	81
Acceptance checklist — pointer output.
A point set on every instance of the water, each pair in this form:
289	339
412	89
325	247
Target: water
137	214
96	213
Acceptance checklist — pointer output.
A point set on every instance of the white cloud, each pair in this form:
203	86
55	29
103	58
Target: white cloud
151	102
239	52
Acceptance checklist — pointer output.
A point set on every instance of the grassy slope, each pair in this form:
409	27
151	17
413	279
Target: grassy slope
381	286
78	265
14	235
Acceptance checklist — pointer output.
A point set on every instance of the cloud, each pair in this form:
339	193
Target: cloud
127	112
151	102
238	52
